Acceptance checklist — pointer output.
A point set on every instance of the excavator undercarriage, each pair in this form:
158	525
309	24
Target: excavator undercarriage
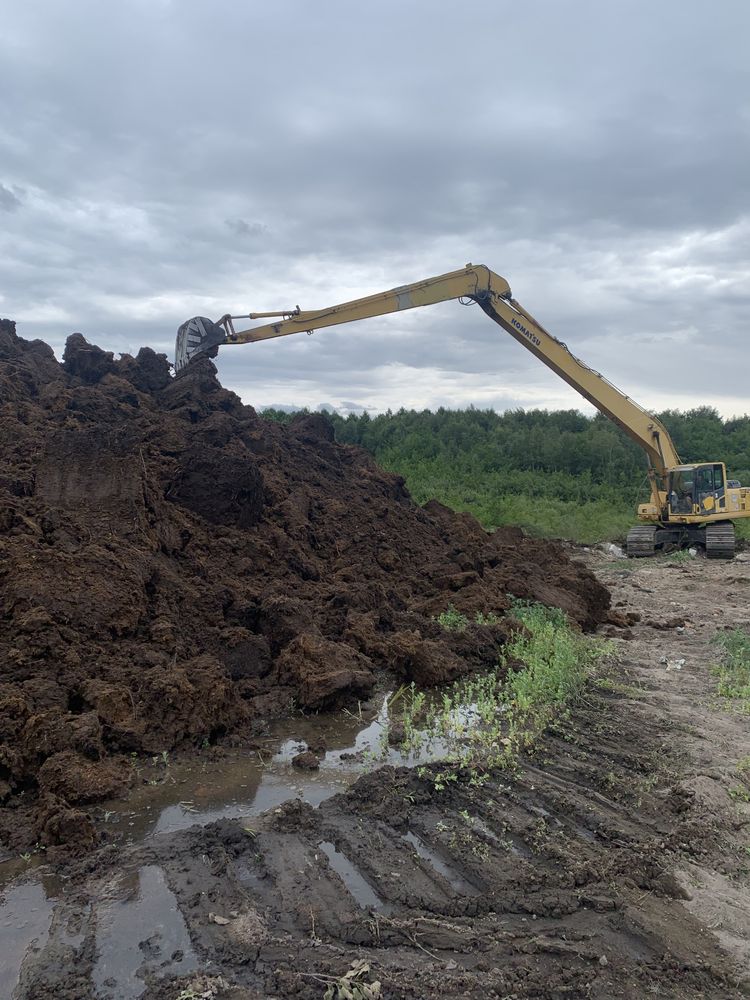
717	539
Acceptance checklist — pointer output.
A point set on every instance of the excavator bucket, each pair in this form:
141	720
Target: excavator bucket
198	336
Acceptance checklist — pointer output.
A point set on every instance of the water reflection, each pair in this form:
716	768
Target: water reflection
141	931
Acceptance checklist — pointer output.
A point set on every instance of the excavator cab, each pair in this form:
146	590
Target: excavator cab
697	489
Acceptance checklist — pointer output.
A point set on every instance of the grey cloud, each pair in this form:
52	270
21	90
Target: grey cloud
241	227
593	153
9	200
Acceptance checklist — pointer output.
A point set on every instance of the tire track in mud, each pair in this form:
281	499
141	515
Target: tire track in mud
562	879
570	887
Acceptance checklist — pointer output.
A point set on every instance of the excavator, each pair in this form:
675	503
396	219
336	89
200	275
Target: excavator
690	505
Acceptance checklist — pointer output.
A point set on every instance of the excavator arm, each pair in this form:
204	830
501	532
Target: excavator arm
493	294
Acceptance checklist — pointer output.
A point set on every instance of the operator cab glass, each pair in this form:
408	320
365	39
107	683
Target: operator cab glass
697	489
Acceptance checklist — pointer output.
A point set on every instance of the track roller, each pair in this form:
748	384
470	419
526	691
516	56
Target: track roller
641	541
720	541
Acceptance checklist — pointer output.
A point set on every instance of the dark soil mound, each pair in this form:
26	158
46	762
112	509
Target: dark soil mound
172	566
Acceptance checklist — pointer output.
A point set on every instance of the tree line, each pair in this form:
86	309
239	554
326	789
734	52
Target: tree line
556	472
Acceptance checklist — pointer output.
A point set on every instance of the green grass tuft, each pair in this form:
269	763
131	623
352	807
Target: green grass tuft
734	671
452	620
484	722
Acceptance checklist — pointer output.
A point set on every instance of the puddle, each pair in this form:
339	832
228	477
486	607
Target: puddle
360	890
143	932
369	747
25	917
261	792
204	789
21	869
456	881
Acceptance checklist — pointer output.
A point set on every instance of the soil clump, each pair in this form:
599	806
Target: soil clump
174	568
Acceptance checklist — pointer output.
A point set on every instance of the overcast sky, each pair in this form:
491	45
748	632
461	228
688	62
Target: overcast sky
166	158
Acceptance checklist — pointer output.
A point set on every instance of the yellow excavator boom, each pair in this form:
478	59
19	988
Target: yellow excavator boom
670	521
493	294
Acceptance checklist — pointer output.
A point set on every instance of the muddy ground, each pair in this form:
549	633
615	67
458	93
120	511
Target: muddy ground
614	863
175	570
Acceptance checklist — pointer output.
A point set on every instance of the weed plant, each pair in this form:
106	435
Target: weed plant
734	671
484	722
679	558
454	621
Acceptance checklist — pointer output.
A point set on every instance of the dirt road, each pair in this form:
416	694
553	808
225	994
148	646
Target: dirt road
615	863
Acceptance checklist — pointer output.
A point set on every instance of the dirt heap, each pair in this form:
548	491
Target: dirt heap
173	567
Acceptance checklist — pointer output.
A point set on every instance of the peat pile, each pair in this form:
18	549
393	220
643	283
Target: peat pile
173	567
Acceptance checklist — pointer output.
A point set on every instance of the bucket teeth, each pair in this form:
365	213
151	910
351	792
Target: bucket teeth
198	335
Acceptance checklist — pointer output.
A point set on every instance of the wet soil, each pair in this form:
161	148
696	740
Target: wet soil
175	570
612	863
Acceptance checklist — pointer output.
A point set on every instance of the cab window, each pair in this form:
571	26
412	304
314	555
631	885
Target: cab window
719	484
681	491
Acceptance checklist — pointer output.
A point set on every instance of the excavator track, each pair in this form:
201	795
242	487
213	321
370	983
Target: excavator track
641	541
720	541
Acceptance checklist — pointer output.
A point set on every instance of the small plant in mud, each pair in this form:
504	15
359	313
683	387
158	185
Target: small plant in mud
734	670
38	849
351	986
617	687
442	778
741	791
204	988
358	715
488	619
413	714
610	781
452	620
161	761
680	557
539	835
465	840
